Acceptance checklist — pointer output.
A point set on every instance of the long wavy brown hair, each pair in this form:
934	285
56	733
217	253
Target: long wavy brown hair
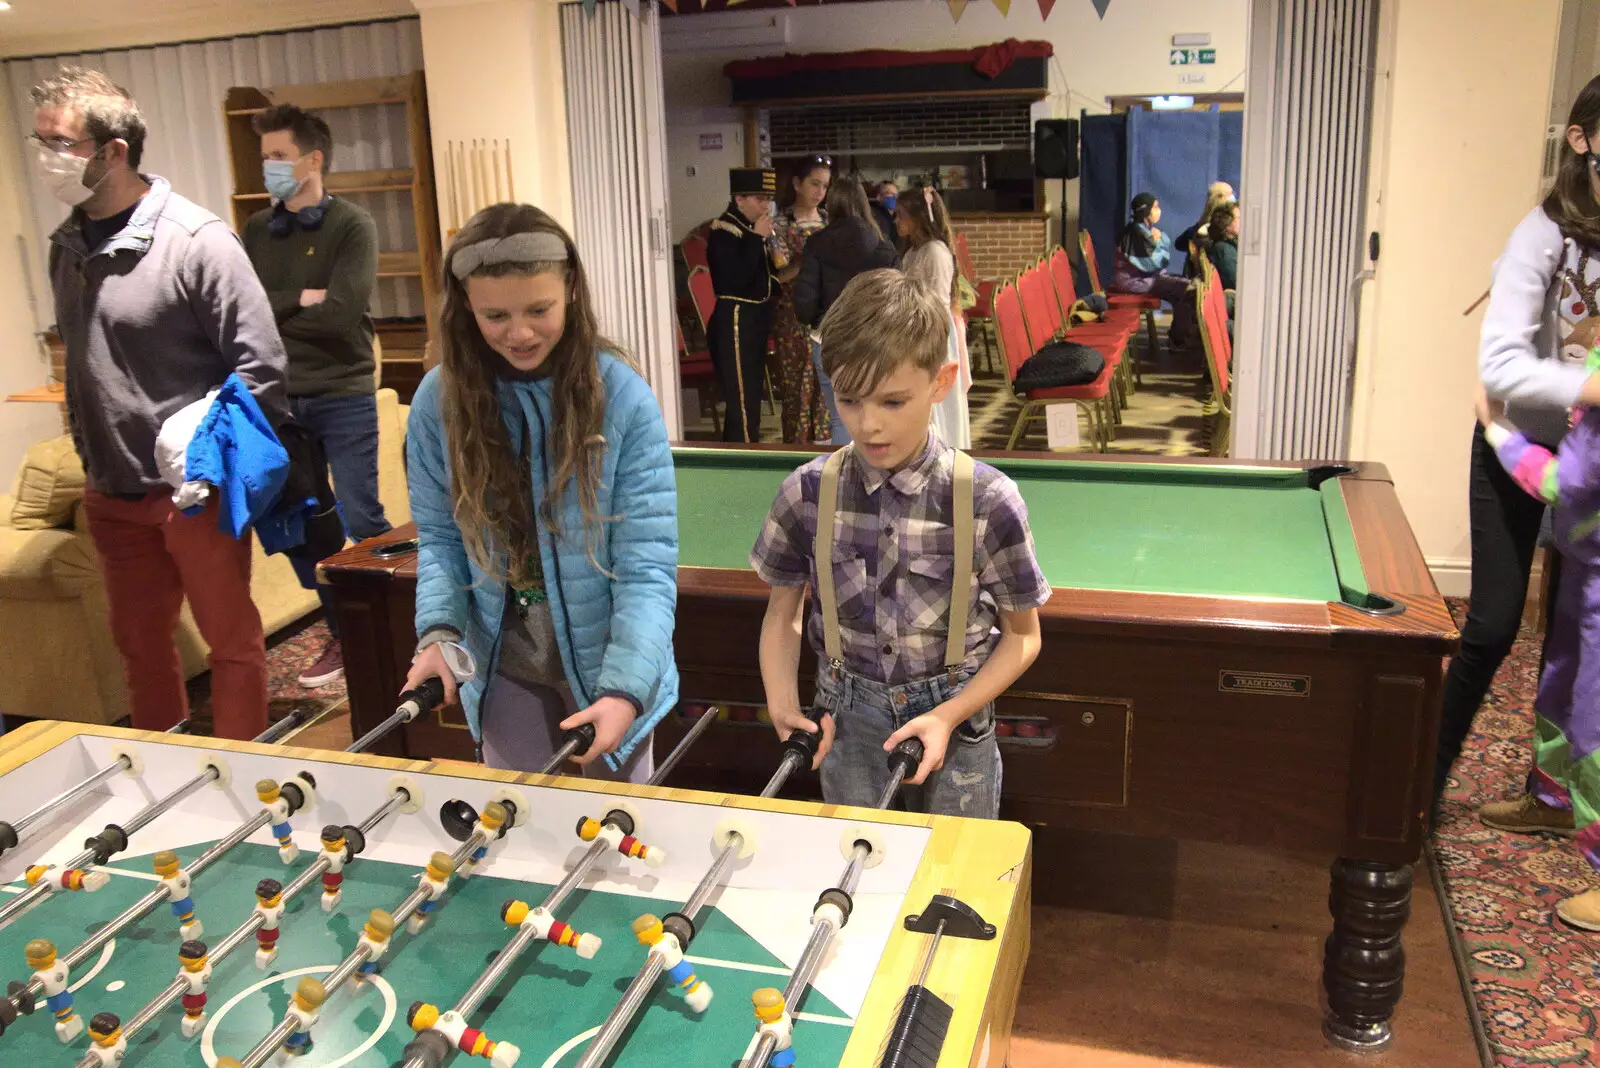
930	221
493	497
1570	202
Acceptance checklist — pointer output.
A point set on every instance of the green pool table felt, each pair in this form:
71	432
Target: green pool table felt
1156	528
550	996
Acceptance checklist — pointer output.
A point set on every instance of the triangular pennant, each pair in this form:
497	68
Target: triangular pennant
1004	6
670	5
588	7
1045	7
956	8
1100	7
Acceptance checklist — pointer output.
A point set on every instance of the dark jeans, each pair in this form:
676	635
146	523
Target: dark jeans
737	338
347	428
1505	523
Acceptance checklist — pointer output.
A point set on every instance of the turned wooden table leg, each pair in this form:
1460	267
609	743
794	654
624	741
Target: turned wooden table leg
1363	962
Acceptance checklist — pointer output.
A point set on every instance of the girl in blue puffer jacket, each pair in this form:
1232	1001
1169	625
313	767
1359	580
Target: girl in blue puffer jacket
543	491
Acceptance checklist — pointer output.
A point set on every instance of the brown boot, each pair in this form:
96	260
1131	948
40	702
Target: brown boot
1581	910
1527	815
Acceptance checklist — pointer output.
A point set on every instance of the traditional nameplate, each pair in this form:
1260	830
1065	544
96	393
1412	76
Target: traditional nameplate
1266	683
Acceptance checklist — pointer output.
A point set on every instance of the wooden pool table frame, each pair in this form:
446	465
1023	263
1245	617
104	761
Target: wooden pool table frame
1293	725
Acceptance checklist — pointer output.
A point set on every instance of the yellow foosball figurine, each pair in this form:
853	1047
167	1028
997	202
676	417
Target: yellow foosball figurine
106	1044
54	977
469	1040
668	945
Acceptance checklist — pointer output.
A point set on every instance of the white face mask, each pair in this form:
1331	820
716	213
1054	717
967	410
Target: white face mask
63	173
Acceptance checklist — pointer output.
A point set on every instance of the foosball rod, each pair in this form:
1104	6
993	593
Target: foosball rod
11	833
799	748
237	937
526	935
902	762
413	703
576	743
109	842
145	905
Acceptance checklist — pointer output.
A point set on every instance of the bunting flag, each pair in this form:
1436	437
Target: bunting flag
588	7
1045	7
670	5
956	8
1100	7
1003	5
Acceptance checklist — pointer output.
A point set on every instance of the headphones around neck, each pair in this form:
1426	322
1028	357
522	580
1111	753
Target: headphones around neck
282	221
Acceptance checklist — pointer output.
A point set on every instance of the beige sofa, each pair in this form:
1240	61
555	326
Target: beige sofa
57	660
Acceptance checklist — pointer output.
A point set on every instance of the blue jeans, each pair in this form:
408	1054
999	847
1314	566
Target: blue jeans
866	712
838	434
347	429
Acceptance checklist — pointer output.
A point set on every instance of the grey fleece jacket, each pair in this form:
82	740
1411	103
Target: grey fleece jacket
1520	357
157	316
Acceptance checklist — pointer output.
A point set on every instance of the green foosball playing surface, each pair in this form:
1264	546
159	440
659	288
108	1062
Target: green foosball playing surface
549	1004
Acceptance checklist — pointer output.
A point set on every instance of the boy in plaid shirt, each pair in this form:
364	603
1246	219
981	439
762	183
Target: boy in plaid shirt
899	545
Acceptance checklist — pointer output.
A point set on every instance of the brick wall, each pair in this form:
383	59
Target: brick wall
901	124
1002	245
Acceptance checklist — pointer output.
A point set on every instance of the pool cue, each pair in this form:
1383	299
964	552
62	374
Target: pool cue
902	762
20	998
430	1048
109	842
11	833
413	703
577	742
832	910
398	796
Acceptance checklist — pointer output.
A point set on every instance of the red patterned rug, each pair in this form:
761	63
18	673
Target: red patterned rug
1536	980
289	652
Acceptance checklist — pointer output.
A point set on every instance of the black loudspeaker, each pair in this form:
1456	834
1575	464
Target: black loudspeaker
1055	148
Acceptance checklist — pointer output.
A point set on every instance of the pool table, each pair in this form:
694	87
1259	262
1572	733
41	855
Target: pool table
1234	652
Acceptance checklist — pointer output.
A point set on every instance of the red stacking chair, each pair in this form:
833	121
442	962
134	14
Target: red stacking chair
694	251
1146	306
695	371
1014	338
1111	330
1045	322
1211	303
981	313
705	302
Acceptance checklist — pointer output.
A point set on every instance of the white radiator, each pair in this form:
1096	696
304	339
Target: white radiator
1307	127
615	125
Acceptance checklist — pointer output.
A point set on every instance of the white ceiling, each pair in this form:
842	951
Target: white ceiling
35	27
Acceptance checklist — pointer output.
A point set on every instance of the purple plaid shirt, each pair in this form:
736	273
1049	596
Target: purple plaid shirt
894	560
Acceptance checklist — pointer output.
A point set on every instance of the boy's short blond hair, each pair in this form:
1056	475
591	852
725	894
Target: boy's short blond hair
882	321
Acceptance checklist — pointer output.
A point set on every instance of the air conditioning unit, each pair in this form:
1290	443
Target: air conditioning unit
742	30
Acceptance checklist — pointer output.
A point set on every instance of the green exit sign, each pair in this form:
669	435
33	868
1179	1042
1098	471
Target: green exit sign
1191	57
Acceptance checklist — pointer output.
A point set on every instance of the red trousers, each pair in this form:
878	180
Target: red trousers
152	557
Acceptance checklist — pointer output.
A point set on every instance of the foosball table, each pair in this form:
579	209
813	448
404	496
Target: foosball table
180	901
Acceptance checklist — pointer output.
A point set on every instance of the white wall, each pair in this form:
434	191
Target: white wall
1463	99
1126	54
697	186
23	363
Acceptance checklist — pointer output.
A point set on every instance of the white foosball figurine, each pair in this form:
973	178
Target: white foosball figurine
269	906
489	824
85	879
663	943
375	938
195	973
626	844
468	1040
775	1020
106	1044
54	977
279	808
434	881
336	851
547	927
309	994
176	880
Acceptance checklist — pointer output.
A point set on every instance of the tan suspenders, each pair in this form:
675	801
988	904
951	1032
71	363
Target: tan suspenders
955	653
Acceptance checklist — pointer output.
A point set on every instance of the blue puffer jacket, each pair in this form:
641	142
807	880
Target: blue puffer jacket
615	633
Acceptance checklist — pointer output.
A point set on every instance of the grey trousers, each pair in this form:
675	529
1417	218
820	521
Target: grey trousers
520	732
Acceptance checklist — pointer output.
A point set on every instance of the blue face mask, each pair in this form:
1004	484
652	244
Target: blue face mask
280	179
889	201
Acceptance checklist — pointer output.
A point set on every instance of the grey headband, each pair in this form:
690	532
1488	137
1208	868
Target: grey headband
539	246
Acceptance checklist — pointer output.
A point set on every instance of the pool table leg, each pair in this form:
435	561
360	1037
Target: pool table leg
1363	962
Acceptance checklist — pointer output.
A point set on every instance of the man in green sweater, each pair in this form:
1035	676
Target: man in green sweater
317	257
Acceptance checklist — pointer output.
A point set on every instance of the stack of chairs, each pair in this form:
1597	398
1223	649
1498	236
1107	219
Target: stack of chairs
981	314
1138	305
1038	308
1211	304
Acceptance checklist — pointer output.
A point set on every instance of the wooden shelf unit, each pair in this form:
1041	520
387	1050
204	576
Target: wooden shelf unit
243	103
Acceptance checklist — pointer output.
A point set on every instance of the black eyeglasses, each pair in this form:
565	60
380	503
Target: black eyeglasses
58	144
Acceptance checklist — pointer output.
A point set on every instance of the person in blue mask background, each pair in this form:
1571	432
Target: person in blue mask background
883	204
317	256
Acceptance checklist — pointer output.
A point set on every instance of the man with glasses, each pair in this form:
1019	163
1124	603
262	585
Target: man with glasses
157	305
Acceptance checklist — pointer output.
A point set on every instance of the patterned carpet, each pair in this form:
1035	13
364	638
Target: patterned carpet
289	652
1537	981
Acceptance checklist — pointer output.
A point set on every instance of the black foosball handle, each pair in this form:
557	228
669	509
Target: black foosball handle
582	735
905	759
426	696
919	1031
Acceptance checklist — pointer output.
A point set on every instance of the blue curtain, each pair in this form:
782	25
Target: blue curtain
1102	188
1175	155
